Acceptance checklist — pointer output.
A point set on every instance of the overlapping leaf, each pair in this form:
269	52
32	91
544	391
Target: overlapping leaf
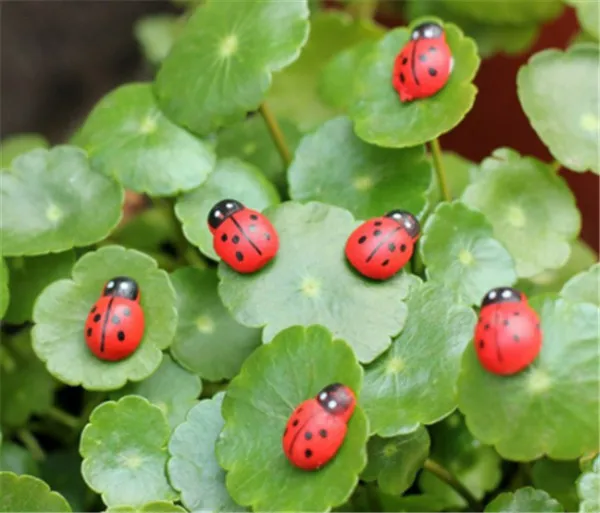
149	507
524	500
61	469
15	145
507	12
583	287
588	15
588	488
18	460
156	34
558	479
458	171
30	494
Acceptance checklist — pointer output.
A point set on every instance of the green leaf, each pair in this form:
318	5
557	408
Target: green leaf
411	503
273	381
171	388
407	386
394	462
127	137
334	166
583	287
588	488
531	209
15	145
381	118
15	458
557	478
30	276
507	12
4	288
588	15
155	35
62	471
559	94
219	57
52	201
193	468
310	282
459	173
459	250
552	406
149	507
124	450
29	494
232	178
61	311
208	342
524	500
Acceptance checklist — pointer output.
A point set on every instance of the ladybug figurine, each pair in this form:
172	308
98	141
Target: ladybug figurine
380	247
115	324
243	238
423	66
508	336
317	427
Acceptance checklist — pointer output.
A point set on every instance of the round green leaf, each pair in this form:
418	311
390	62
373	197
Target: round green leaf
149	507
193	468
559	94
334	166
208	342
459	250
558	479
406	386
588	15
524	500
507	12
28	494
124	450
459	173
381	118
61	469
15	145
15	458
231	178
61	311
310	282
583	287
275	379
531	209
156	34
52	201
129	138
220	66
552	406
4	289
588	488
394	462
171	388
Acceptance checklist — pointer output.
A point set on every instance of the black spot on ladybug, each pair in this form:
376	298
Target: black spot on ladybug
377	232
323	433
481	344
93	309
239	256
121	336
252	228
224	237
295	423
308	435
392	246
377	223
432	49
89	332
254	217
267	236
235	239
115	319
423	57
517	313
537	327
97	317
384	263
362	239
516	338
308	453
404	61
402	248
486	327
402	79
505	322
126	312
432	72
300	409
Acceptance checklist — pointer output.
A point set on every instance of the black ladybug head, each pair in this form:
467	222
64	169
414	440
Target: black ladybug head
122	286
427	31
336	399
407	220
222	211
501	295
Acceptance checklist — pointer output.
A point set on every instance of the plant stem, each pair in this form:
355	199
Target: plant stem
276	133
64	418
436	153
441	473
31	443
555	165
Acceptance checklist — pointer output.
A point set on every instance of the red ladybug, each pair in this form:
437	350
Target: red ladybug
115	324
243	238
380	247
423	66
508	336
317	428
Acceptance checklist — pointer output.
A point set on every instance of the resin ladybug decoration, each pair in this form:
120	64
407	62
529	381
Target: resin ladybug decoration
423	66
380	247
508	336
115	324
317	427
243	238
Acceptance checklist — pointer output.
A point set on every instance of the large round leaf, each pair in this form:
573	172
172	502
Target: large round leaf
61	311
129	138
29	494
274	380
532	210
524	500
381	118
557	478
507	12
334	166
52	201
17	144
559	94
588	488
310	282
124	449
220	66
583	287
552	406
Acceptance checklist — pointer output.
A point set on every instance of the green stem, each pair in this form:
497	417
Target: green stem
64	418
6	360
555	165
31	443
362	9
276	133
436	153
89	407
441	473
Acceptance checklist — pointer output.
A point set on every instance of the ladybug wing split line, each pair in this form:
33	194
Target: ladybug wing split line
239	227
104	323
383	241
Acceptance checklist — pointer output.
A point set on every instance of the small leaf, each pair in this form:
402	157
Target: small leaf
334	166
524	500
52	201
156	34
127	137
508	12
171	388
18	460
218	57
61	311
193	468
4	288
273	381
588	488
583	287
62	471
208	342
126	442
310	282
408	386
557	478
232	178
29	494
532	210
15	145
566	122
149	507
552	406
394	462
459	173
588	15
381	118
459	250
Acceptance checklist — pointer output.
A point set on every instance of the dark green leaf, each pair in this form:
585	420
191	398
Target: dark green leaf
583	287
62	471
459	173
15	458
524	500
15	145
29	494
149	507
411	503
4	287
588	488
507	12
156	34
588	15
558	479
